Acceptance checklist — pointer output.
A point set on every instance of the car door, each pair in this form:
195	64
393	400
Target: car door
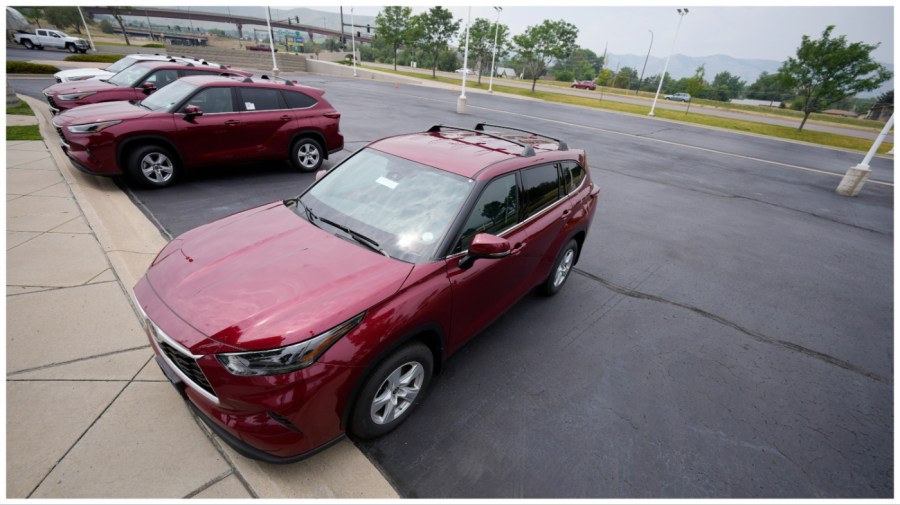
545	215
215	136
266	122
488	287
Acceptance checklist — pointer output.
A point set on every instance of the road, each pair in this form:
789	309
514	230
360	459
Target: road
729	331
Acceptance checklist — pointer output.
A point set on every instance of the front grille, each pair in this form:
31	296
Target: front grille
188	366
51	101
62	137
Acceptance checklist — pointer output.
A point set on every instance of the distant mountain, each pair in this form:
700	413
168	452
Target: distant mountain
685	66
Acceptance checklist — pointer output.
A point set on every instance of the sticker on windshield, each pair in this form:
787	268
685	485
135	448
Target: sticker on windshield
384	181
249	106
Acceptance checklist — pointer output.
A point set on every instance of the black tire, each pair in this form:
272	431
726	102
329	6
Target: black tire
382	404
28	44
82	51
562	269
307	154
72	49
40	48
153	166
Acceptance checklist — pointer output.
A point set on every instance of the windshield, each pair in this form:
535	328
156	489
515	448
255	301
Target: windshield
167	97
121	65
130	77
403	206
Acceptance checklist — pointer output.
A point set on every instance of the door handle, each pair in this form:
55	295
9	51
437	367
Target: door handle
565	214
517	248
232	122
285	118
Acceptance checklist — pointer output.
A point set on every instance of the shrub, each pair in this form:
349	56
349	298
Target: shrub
102	58
564	76
154	45
24	67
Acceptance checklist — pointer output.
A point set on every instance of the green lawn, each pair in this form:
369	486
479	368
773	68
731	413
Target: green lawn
20	110
29	132
783	132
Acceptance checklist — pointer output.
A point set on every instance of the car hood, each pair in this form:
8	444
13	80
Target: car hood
82	72
266	278
97	112
78	87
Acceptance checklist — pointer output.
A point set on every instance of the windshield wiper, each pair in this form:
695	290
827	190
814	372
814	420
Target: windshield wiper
309	213
360	238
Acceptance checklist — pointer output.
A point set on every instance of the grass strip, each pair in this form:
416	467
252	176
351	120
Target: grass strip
28	132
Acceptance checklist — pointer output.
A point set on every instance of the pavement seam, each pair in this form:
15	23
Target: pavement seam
41	482
784	344
209	484
62	363
45	289
215	442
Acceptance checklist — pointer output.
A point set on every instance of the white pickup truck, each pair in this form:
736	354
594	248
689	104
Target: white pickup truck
51	38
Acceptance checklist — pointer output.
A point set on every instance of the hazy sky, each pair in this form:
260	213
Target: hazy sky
759	32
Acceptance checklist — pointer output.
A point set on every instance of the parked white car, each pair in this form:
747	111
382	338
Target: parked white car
464	71
42	38
81	74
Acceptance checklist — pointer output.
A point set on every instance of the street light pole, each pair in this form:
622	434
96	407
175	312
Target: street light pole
681	14
641	80
461	102
88	30
271	41
494	57
353	40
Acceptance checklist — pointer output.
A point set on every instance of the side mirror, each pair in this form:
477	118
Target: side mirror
148	87
485	246
192	111
321	173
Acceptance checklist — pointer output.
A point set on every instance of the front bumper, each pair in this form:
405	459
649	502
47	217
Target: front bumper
277	419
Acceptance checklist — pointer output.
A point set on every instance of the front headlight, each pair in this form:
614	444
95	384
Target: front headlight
76	96
286	359
92	127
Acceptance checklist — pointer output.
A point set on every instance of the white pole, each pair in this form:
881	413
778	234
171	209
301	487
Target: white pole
88	30
271	41
494	57
852	182
461	101
353	40
681	14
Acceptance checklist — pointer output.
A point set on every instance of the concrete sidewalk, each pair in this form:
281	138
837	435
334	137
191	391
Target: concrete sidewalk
89	413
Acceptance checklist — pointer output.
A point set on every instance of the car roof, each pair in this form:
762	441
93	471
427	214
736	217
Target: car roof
470	152
212	79
178	65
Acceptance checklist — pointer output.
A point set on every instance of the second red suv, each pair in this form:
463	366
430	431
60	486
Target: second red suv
202	120
131	84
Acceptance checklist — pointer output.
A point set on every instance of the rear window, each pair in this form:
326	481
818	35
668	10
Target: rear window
541	185
573	174
298	100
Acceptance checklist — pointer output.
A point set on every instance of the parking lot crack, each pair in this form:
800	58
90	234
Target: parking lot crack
784	344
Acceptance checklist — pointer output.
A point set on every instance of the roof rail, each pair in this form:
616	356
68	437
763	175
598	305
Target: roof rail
264	76
247	79
527	150
561	144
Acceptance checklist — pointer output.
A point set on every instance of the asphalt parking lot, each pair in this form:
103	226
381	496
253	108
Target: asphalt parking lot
729	333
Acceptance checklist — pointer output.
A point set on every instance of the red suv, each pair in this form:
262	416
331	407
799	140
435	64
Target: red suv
131	84
288	325
202	120
591	85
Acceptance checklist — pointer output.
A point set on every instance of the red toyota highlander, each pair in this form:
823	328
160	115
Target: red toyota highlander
201	121
132	84
288	325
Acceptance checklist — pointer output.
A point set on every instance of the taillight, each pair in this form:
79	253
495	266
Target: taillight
333	115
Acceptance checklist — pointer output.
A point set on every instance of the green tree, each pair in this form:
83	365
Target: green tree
33	14
584	64
767	87
393	25
437	27
64	17
828	69
543	43
481	43
695	85
625	77
725	86
106	26
117	12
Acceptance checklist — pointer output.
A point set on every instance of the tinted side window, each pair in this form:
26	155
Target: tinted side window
298	100
573	174
213	100
162	77
261	99
541	188
495	211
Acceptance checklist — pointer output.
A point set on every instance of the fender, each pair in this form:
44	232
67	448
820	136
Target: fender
438	352
126	144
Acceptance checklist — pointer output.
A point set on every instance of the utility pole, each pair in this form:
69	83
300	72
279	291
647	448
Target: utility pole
271	41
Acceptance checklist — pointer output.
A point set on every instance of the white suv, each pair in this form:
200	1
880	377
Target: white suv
81	74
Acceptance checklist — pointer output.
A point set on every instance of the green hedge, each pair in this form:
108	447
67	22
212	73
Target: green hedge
24	67
159	46
101	58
